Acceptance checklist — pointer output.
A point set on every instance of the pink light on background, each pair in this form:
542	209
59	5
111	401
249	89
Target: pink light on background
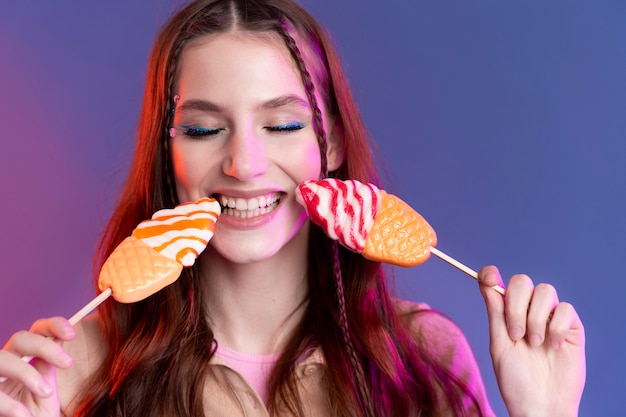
68	108
502	124
44	223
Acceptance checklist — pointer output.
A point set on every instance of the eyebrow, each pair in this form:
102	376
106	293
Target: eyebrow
202	105
288	100
208	106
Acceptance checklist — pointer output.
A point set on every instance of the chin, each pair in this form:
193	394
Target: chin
245	247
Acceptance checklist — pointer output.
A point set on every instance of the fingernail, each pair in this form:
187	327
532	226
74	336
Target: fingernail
69	331
490	276
555	344
67	361
516	332
45	388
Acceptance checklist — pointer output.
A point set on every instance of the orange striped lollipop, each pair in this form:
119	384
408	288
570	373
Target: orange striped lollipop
158	249
154	255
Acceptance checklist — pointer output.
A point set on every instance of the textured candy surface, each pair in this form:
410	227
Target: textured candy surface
158	249
367	220
135	271
400	235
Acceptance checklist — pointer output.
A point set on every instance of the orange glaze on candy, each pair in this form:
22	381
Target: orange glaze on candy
180	256
180	226
184	231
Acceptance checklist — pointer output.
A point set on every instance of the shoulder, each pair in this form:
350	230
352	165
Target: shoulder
445	344
435	333
87	352
432	329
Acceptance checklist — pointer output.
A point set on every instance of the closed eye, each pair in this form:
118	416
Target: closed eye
194	131
287	127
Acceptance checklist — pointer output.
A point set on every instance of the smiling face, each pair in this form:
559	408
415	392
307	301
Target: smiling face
244	135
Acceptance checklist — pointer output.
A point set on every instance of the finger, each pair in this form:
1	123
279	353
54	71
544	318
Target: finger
487	278
27	344
16	370
565	326
12	408
544	299
56	327
516	302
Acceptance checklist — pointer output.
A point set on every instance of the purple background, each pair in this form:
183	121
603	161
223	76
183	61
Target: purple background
504	125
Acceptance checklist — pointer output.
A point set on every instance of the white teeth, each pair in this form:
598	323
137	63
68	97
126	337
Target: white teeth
253	204
241	204
252	207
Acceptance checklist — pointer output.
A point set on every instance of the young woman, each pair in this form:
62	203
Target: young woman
245	99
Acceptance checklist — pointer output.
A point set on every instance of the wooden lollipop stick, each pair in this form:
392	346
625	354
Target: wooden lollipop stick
90	306
76	318
462	267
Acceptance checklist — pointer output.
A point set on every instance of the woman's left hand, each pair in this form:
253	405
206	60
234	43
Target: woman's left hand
537	346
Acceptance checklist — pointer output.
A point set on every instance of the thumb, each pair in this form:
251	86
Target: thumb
487	278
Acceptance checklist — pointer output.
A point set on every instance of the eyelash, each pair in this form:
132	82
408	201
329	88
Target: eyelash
286	128
193	131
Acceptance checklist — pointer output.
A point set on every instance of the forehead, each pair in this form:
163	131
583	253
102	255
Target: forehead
235	56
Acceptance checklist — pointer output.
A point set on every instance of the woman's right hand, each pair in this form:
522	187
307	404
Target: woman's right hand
31	390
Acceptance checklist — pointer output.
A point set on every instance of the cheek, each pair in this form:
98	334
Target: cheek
179	163
307	160
189	168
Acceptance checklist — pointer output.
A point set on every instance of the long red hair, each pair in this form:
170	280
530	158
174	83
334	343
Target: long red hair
156	362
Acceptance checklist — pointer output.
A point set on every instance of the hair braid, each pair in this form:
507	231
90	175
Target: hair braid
318	124
321	137
343	317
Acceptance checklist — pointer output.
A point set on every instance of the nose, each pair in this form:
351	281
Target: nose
246	158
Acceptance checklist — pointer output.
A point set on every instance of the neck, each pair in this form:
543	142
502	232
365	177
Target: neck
254	307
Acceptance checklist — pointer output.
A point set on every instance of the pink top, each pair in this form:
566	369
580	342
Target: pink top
255	369
232	390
